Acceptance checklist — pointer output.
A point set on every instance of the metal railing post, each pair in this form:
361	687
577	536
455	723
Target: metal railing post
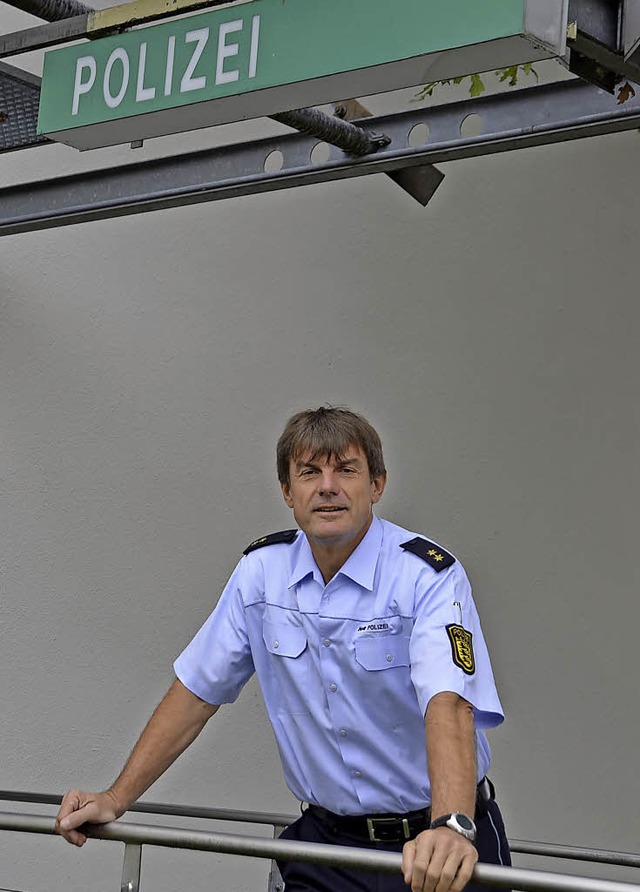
131	868
276	883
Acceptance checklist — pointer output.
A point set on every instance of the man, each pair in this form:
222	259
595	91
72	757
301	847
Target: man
374	672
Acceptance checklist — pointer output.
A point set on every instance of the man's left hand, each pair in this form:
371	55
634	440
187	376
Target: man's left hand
439	860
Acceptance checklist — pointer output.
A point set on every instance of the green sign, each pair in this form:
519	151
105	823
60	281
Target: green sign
257	58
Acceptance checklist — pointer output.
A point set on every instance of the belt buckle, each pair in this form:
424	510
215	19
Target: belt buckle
373	822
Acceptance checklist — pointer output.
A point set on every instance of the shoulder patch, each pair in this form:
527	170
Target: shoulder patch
272	539
433	554
462	648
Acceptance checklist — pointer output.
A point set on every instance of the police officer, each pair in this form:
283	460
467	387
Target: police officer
373	669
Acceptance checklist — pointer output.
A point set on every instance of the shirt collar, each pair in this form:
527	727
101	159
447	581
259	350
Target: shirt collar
360	566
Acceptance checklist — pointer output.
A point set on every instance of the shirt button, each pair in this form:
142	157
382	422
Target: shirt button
343	733
276	644
333	688
389	658
357	774
326	642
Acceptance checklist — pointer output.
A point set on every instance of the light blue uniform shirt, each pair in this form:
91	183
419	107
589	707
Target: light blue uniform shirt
346	669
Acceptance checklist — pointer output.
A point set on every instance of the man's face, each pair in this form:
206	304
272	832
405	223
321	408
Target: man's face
332	498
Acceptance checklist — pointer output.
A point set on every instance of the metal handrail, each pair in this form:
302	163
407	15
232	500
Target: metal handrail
287	850
574	853
164	808
519	846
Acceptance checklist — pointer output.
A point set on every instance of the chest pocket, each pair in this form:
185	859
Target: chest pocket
288	667
283	640
384	652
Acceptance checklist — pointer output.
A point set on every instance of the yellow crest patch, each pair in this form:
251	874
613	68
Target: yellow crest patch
462	648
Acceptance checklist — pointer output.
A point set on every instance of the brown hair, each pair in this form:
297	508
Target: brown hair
329	430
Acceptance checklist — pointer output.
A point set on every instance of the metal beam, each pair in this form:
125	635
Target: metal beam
43	36
51	10
536	116
92	23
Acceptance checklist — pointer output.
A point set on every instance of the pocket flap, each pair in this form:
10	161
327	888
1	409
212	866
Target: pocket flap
382	653
283	640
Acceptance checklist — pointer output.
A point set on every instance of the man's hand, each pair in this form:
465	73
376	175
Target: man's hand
79	807
439	859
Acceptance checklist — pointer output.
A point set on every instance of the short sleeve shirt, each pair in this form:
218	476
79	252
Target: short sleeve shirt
347	669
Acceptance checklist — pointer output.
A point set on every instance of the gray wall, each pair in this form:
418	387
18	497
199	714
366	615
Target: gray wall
146	367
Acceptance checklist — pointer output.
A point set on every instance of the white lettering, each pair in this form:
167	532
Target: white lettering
87	63
253	56
188	82
224	51
143	93
168	74
111	100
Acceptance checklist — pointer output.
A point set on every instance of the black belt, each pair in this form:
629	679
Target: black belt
393	828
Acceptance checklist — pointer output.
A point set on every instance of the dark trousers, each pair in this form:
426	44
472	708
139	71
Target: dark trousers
491	843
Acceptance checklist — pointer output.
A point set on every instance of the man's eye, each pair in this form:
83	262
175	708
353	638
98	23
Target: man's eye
348	470
308	472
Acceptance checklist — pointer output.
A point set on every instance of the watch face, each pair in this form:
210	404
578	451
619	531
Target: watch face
465	822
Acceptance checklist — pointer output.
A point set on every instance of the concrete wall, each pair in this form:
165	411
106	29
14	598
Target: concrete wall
146	367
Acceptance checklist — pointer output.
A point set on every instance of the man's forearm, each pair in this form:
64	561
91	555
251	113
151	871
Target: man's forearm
451	754
175	723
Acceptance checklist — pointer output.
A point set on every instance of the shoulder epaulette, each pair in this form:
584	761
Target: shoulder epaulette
272	539
433	554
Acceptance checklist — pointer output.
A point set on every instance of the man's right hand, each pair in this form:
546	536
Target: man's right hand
79	807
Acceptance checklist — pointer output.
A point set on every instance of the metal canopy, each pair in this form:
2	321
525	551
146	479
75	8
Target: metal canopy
603	40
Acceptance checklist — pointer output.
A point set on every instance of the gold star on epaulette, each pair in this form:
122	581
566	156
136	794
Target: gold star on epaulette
437	558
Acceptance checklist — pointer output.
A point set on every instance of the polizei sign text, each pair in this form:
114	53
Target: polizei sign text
261	57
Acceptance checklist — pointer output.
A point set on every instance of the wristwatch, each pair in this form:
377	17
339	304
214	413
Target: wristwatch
462	824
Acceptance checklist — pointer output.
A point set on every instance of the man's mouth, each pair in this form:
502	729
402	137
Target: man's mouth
329	509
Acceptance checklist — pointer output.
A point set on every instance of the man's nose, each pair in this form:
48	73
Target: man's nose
327	483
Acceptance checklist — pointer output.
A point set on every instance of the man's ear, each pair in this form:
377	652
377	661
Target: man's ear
286	494
377	488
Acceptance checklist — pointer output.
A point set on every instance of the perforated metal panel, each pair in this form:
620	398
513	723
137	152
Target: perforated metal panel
19	97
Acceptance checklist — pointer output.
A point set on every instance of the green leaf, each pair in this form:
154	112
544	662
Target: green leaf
477	85
510	73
